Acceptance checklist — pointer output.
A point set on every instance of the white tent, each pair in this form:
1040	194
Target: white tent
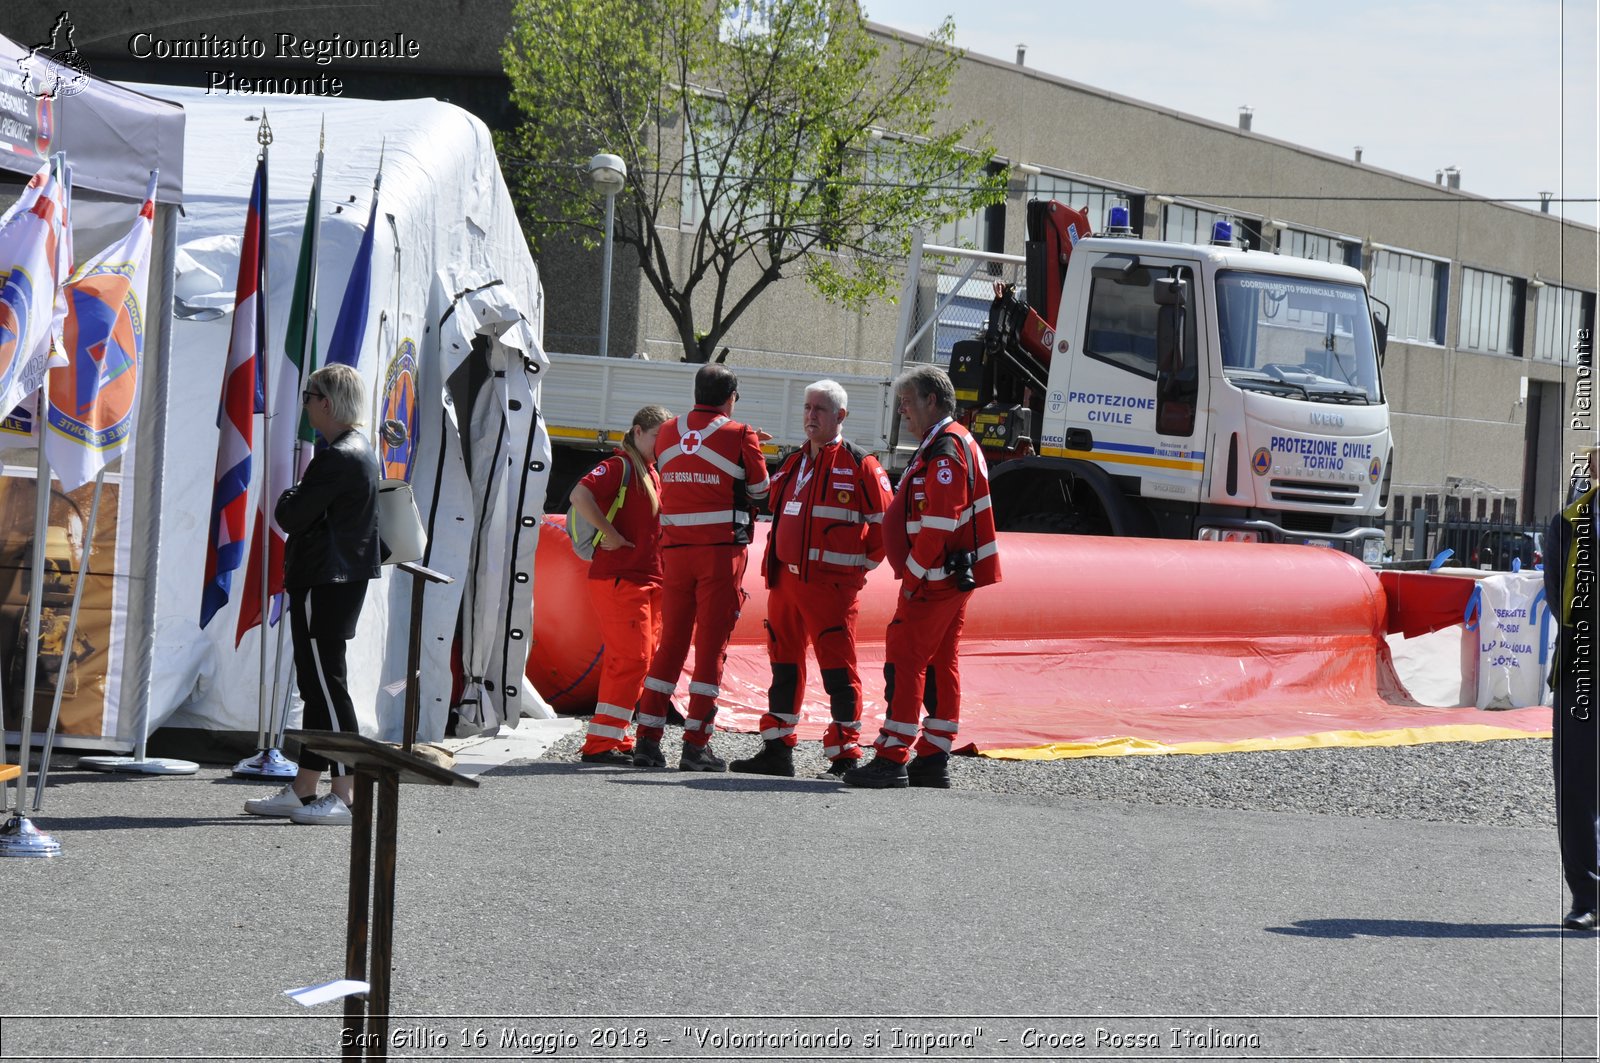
456	306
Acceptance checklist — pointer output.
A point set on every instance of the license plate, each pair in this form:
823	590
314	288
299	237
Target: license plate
1320	542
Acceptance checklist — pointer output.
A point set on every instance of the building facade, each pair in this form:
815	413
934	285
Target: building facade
1489	305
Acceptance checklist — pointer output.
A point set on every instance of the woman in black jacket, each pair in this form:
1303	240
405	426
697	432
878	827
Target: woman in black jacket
331	519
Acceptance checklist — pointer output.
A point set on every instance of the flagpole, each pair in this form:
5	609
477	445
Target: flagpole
269	761
72	634
138	762
19	837
308	354
263	705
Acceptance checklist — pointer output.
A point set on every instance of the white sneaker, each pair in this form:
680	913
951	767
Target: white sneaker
282	803
327	809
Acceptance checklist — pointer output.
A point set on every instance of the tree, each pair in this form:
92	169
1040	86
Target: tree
770	136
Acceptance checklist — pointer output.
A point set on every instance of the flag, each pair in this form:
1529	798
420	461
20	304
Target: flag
351	326
230	495
34	253
91	401
285	459
30	195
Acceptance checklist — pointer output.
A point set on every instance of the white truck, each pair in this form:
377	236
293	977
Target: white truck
1146	388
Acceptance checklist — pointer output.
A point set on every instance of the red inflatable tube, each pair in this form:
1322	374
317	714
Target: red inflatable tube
1093	647
1056	587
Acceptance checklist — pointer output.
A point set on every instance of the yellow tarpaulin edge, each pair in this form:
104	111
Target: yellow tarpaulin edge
1140	747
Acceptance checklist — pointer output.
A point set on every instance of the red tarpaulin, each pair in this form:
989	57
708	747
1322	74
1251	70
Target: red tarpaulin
1095	646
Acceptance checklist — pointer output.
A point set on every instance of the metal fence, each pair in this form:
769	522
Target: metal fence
1480	531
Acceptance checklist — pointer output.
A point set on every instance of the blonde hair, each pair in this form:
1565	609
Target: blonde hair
647	418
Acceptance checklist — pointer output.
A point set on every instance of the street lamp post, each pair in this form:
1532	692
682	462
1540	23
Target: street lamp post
608	174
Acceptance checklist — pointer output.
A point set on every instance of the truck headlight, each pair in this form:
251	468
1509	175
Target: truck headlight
1228	535
1372	551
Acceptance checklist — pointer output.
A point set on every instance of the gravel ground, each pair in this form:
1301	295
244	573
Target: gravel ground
1500	783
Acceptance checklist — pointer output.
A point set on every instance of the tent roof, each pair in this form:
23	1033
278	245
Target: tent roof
112	135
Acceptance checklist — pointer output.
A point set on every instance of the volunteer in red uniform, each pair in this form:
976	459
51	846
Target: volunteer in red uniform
939	537
712	474
828	500
624	581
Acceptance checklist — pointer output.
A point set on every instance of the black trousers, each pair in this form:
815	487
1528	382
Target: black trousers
322	619
1576	752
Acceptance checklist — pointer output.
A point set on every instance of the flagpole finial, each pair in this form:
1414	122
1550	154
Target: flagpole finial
264	132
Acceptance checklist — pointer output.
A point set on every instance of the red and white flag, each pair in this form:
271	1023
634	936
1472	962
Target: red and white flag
230	499
35	257
93	399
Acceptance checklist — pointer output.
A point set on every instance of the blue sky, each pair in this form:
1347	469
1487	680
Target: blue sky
1419	84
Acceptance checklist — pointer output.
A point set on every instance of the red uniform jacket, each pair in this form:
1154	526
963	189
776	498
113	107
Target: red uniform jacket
712	472
640	563
942	506
833	511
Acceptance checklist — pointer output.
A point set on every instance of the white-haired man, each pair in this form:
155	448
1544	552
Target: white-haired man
828	500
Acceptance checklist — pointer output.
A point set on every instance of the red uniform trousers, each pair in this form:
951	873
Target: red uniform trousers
700	600
630	627
823	614
922	646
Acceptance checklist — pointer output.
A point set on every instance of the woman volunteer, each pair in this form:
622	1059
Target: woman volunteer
625	586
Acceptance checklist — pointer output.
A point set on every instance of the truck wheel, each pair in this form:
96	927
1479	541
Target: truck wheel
1056	524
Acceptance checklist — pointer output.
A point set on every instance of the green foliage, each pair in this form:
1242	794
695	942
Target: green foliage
771	137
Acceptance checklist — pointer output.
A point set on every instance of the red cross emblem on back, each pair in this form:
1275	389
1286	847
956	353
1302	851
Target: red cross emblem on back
690	442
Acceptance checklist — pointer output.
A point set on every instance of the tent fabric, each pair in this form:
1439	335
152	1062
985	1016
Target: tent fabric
454	295
113	135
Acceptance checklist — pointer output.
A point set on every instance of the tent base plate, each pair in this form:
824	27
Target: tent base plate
142	765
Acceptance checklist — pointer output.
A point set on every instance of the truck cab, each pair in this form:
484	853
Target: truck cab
1198	392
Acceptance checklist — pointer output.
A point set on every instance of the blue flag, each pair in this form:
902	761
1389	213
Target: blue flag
345	346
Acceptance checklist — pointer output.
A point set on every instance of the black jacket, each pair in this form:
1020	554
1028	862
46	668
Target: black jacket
331	517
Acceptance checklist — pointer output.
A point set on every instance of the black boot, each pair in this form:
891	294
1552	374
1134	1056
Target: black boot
932	771
647	754
700	758
775	758
878	774
837	768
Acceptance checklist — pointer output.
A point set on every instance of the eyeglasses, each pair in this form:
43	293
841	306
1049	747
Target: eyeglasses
308	395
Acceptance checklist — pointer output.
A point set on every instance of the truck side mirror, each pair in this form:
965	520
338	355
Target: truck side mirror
1171	299
1380	330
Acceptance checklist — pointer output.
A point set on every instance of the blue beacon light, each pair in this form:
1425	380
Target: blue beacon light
1117	221
1222	233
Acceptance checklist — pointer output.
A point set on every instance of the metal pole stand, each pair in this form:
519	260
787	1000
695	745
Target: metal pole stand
270	763
382	768
19	837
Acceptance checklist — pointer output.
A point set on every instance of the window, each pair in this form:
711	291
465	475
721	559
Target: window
705	140
1490	321
1558	315
1415	289
1192	225
1320	248
1122	320
971	231
1099	199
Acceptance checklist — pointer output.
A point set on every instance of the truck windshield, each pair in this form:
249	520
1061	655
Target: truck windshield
1305	339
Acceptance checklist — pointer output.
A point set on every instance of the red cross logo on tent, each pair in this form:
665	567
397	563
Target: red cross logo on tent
691	442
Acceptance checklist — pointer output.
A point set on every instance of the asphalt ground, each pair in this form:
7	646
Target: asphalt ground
564	911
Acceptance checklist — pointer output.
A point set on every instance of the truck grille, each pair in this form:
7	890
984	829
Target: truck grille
1310	523
1315	491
